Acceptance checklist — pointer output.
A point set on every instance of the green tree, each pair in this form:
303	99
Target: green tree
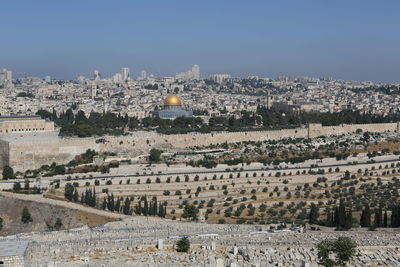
190	212
314	214
343	247
26	216
17	186
365	220
8	172
325	247
385	219
341	215
58	224
155	155
127	206
183	245
59	169
69	191
75	196
26	186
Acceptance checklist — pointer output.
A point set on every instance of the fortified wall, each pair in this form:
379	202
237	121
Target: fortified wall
24	156
125	144
31	153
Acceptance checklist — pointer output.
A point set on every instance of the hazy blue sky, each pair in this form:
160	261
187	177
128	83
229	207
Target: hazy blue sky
349	39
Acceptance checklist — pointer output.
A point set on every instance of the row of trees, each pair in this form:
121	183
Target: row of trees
276	118
341	217
88	197
118	205
95	123
381	217
151	208
143	207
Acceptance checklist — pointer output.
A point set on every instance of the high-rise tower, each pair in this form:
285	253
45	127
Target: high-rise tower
196	72
125	73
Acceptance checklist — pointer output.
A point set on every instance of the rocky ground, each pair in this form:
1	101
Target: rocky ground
44	213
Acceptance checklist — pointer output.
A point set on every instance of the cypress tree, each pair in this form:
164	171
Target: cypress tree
110	202
104	205
336	217
395	216
76	196
165	209
398	216
145	207
118	205
349	219
155	206
93	201
160	210
366	217
313	216
385	219
362	218
127	205
342	215
87	195
332	219
139	208
378	218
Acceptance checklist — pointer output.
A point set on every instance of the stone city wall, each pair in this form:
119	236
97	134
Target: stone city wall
30	155
24	156
315	130
4	153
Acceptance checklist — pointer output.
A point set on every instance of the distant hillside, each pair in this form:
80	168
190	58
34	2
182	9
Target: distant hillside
42	215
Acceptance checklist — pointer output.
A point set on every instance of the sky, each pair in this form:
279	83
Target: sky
343	39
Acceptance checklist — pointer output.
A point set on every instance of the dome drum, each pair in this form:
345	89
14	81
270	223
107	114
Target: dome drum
172	100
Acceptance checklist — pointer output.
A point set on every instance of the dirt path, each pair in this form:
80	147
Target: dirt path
66	204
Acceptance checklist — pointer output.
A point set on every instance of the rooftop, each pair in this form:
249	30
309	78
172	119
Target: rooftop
30	137
23	117
17	248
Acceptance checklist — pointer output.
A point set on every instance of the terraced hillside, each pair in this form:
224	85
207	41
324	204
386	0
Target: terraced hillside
262	195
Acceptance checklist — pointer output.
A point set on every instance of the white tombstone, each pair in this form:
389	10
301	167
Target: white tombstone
160	244
213	245
235	250
220	263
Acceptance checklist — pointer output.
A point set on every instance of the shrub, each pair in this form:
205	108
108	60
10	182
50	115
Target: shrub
183	245
26	216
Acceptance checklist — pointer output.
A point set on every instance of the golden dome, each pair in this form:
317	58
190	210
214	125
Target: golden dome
172	100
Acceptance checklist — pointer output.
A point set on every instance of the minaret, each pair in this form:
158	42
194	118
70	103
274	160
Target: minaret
268	100
93	91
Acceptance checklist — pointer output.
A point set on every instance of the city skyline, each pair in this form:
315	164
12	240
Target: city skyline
350	41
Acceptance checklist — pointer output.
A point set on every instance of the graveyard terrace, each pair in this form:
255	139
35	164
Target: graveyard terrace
204	255
139	228
117	243
132	241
